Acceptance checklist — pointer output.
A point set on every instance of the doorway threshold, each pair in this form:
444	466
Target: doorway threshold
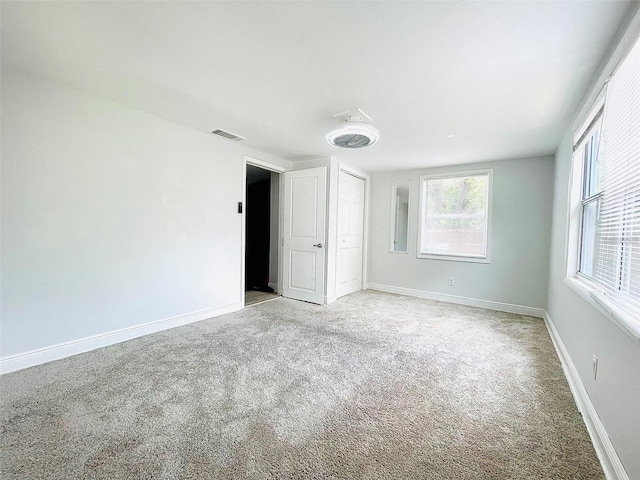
254	297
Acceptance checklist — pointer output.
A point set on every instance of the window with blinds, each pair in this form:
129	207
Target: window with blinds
609	151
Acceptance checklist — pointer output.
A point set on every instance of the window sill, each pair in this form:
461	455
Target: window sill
453	258
602	302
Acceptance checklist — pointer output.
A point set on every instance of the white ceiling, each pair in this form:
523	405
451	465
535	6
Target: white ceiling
503	77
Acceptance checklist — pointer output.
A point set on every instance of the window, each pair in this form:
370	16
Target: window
607	157
454	216
587	152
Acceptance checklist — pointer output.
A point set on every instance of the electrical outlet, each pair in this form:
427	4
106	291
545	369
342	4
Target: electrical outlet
595	367
452	281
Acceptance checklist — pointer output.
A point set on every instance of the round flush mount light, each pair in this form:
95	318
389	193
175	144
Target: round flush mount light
354	132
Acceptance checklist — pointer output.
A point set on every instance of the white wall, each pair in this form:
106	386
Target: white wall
111	217
583	330
517	274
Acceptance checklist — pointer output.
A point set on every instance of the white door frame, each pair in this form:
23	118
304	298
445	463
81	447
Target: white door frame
247	160
332	296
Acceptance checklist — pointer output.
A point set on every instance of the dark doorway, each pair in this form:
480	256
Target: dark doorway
261	247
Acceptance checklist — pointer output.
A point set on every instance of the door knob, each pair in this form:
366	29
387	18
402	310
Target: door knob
318	245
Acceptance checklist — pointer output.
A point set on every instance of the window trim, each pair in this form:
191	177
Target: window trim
421	213
587	194
581	284
603	301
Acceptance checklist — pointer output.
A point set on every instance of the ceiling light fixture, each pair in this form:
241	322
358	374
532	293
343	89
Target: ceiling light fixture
354	132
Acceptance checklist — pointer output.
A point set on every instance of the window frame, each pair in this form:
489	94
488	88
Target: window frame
588	194
422	213
607	303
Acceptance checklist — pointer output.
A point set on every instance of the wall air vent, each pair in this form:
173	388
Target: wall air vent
228	135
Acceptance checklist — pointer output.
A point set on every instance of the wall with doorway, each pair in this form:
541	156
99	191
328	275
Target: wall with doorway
115	222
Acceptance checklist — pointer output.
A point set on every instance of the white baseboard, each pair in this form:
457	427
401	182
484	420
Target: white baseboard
273	285
611	464
472	302
67	349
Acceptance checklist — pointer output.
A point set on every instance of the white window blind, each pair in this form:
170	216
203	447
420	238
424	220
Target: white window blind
610	253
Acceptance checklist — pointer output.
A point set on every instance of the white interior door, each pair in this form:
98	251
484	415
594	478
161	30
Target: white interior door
305	206
350	233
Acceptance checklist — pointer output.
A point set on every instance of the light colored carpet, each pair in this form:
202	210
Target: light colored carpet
375	386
